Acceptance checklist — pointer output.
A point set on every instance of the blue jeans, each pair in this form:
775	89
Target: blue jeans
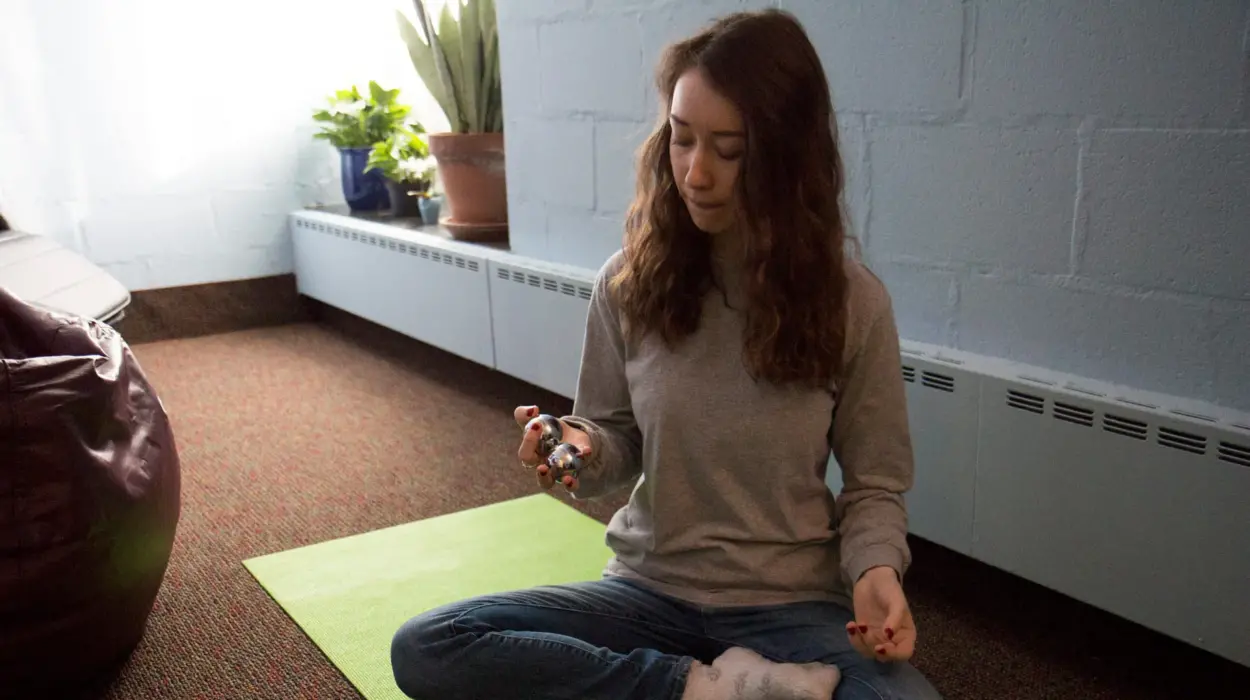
614	639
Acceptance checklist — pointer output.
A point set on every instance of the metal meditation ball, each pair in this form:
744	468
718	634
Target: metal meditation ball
550	433
565	459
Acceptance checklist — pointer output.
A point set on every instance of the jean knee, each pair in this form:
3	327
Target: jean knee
895	681
415	656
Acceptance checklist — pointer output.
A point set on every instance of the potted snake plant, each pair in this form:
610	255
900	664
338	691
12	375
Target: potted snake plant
458	61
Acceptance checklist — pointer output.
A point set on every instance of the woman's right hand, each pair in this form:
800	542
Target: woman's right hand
528	451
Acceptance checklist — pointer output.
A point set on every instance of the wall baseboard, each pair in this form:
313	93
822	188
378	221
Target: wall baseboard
205	309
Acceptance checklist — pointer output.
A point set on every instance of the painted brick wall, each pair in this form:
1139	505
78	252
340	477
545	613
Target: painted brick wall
1064	183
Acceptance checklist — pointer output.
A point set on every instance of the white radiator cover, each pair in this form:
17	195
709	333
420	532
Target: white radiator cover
1135	503
539	319
430	289
1113	497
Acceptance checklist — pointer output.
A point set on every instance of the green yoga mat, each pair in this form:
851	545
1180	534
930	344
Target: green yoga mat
350	595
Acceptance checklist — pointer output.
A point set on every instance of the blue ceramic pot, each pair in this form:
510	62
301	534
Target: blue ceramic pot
363	191
429	209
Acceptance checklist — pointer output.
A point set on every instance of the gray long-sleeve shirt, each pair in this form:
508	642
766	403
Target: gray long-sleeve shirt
730	505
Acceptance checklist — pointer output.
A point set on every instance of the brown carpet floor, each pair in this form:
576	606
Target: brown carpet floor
298	434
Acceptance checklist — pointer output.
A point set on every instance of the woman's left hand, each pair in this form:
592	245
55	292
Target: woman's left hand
883	628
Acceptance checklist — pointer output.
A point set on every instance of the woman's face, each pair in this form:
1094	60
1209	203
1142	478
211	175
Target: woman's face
706	151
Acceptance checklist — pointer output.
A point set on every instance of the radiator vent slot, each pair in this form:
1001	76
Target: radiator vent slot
385	243
909	374
545	283
1124	426
1074	414
1180	440
933	380
1234	453
436	256
1025	402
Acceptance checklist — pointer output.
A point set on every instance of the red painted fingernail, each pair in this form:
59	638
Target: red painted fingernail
542	470
889	633
536	427
863	629
852	631
532	411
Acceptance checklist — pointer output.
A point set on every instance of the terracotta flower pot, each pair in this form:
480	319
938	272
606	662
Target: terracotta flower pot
472	170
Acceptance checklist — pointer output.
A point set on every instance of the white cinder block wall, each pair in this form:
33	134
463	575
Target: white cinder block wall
1061	182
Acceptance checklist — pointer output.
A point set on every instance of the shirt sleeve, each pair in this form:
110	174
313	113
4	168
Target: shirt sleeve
603	407
871	441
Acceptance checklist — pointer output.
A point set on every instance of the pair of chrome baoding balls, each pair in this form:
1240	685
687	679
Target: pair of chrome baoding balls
561	457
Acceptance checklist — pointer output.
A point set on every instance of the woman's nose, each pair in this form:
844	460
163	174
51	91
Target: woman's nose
698	176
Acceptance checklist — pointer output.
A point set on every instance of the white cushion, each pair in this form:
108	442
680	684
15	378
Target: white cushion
38	270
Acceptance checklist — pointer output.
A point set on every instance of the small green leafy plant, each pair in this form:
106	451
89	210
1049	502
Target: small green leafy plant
354	121
459	62
404	157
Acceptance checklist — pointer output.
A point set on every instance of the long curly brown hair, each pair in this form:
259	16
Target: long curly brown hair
791	194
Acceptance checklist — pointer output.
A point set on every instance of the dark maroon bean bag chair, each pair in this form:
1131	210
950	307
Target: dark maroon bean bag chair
89	501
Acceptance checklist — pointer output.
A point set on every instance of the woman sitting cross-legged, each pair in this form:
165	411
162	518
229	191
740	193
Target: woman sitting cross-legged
732	345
